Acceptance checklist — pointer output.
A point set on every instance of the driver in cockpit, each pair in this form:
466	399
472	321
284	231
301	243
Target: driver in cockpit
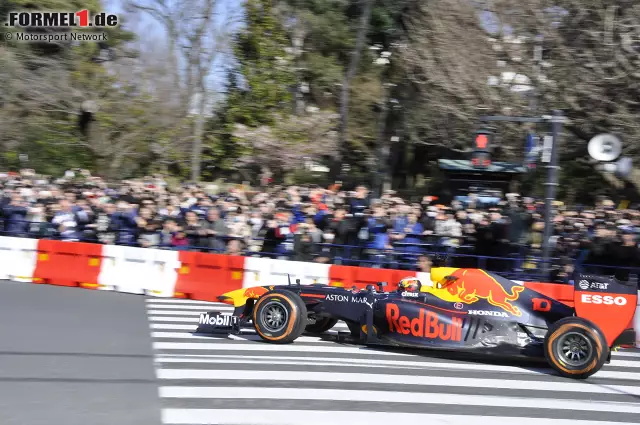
409	284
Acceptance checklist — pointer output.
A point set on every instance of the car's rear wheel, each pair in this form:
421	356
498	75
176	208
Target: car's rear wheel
279	316
321	325
575	347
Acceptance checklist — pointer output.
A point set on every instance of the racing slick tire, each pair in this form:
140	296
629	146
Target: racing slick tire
575	347
321	325
279	316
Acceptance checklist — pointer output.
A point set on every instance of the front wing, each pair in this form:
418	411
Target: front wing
214	322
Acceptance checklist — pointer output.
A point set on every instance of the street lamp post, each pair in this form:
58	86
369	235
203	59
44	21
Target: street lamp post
551	158
550	188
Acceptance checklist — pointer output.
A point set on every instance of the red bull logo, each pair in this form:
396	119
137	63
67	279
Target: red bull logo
472	285
426	325
255	292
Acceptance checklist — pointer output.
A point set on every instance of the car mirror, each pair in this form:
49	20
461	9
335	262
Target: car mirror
446	281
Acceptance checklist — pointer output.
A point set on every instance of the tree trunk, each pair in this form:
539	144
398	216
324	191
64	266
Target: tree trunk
175	69
346	84
382	181
196	152
115	165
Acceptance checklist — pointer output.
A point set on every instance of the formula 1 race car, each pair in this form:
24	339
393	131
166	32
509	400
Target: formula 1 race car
573	327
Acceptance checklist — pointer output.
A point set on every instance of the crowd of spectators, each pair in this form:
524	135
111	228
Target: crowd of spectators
312	223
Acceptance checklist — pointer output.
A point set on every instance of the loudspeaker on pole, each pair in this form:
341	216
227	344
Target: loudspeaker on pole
605	147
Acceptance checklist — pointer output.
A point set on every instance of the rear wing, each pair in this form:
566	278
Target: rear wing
607	302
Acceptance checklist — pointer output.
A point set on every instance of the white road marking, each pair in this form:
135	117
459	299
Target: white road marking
395	397
323	417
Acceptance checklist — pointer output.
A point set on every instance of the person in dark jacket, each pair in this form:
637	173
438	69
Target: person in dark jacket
214	231
272	238
625	254
15	214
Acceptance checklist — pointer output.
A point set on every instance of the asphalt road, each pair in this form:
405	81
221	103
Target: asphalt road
74	357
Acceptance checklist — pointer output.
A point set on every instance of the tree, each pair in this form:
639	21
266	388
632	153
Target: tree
351	72
221	150
449	70
264	64
197	37
588	66
334	73
263	93
290	142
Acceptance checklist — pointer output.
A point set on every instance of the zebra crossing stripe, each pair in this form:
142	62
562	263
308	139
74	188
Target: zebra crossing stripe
391	397
431	381
182	302
322	417
185	308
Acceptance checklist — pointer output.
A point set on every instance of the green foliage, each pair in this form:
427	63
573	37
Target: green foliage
264	89
221	151
263	65
324	74
330	32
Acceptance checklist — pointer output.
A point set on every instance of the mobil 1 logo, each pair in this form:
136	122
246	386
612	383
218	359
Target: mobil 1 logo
218	320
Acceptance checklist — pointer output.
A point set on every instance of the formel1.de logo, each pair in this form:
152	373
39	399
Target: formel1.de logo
80	19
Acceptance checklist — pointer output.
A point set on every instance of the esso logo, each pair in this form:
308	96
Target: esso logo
603	299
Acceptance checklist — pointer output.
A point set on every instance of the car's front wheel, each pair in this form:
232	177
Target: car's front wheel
575	347
279	316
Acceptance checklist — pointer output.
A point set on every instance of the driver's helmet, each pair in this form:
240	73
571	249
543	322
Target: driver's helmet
409	284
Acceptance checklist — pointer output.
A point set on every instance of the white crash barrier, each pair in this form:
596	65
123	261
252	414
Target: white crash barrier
18	258
124	269
139	270
308	273
162	281
266	271
256	271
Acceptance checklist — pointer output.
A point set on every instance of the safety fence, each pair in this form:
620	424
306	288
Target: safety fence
186	274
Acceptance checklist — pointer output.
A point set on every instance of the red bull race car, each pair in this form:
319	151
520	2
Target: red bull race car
573	327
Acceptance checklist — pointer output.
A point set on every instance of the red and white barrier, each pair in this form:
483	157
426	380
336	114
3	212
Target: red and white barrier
180	274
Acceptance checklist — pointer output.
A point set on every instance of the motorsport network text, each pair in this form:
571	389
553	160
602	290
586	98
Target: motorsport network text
57	37
80	19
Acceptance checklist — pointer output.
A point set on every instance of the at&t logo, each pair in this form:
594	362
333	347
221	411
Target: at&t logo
584	285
